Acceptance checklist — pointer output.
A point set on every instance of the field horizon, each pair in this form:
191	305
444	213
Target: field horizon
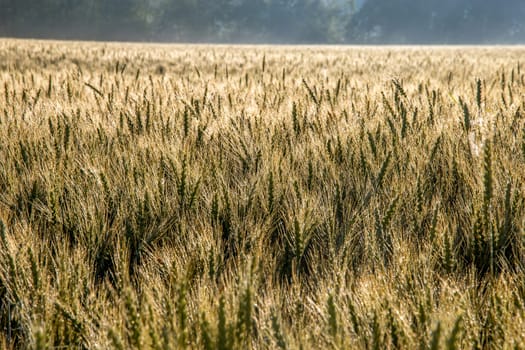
29	40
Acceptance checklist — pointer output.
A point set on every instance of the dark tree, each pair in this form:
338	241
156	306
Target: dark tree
439	21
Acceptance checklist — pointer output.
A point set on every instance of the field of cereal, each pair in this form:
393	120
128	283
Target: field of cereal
265	197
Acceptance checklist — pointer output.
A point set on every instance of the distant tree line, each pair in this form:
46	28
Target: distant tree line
439	22
268	21
178	20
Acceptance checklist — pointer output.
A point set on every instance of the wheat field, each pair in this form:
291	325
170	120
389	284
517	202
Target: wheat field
259	197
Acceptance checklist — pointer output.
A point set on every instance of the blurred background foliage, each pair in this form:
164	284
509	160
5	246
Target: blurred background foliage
268	21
